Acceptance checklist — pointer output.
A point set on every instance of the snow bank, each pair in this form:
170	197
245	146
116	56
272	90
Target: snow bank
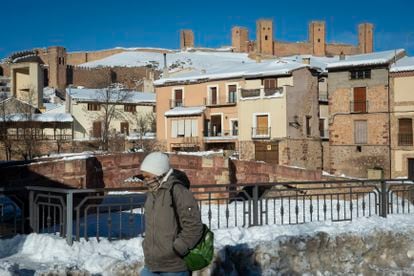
266	245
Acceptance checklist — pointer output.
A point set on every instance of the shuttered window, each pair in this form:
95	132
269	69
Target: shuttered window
360	132
184	128
405	132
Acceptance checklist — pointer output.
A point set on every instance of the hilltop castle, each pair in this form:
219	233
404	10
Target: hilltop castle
266	45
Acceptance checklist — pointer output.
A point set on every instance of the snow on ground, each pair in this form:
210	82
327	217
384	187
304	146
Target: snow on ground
40	252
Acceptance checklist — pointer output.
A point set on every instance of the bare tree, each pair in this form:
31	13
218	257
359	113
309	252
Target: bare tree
5	138
145	123
110	99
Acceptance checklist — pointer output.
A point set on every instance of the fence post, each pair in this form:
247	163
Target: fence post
69	218
255	205
384	199
32	217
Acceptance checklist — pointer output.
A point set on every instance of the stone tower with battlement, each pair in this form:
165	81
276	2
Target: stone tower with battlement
365	38
57	61
317	35
264	36
239	39
186	39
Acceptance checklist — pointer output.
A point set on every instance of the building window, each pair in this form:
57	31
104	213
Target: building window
154	109
360	132
265	37
405	132
319	40
308	125
261	128
360	74
94	107
270	86
213	95
232	98
323	132
125	128
360	102
130	108
184	128
234	127
177	98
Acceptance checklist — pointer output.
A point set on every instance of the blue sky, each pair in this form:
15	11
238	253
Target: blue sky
92	25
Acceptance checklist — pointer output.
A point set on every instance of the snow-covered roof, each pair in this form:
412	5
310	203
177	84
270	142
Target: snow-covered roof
315	62
54	108
185	111
227	70
176	61
43	117
98	95
403	65
376	58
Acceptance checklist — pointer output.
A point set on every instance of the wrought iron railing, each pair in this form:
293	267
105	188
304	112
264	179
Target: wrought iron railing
405	139
261	132
248	93
118	213
176	103
359	106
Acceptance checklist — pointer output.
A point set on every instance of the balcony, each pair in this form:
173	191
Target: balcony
261	132
250	93
272	91
220	135
405	139
176	103
209	102
358	106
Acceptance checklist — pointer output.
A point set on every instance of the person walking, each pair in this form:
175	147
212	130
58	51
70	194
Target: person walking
168	238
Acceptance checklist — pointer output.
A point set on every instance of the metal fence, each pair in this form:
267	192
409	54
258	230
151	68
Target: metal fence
119	213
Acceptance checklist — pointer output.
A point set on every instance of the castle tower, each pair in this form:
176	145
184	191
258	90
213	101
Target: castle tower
186	39
365	38
264	36
317	35
239	39
57	67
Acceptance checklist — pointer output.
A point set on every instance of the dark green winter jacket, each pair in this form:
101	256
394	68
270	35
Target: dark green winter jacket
164	245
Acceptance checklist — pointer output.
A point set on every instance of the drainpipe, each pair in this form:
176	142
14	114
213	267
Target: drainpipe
389	124
165	70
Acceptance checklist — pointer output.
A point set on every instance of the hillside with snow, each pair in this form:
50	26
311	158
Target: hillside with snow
176	61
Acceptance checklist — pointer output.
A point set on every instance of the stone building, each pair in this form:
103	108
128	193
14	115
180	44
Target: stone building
402	116
316	45
265	111
359	113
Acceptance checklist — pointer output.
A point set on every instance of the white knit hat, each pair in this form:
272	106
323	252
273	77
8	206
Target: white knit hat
156	163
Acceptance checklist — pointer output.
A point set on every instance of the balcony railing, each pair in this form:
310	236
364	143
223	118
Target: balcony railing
223	133
249	93
405	139
271	91
261	132
359	106
176	103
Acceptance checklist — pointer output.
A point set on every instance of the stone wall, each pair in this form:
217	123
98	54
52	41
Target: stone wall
305	153
111	170
377	253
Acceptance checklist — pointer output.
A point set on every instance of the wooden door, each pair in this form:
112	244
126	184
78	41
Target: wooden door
267	152
411	168
360	99
213	95
125	128
97	129
216	125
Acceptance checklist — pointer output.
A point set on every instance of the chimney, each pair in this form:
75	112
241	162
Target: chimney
342	56
306	60
165	70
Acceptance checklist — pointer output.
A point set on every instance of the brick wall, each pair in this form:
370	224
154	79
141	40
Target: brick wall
111	171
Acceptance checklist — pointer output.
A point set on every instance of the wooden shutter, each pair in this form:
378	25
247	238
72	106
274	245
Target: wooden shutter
213	95
405	132
187	128
262	125
174	128
270	83
180	131
360	132
360	99
194	128
97	129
